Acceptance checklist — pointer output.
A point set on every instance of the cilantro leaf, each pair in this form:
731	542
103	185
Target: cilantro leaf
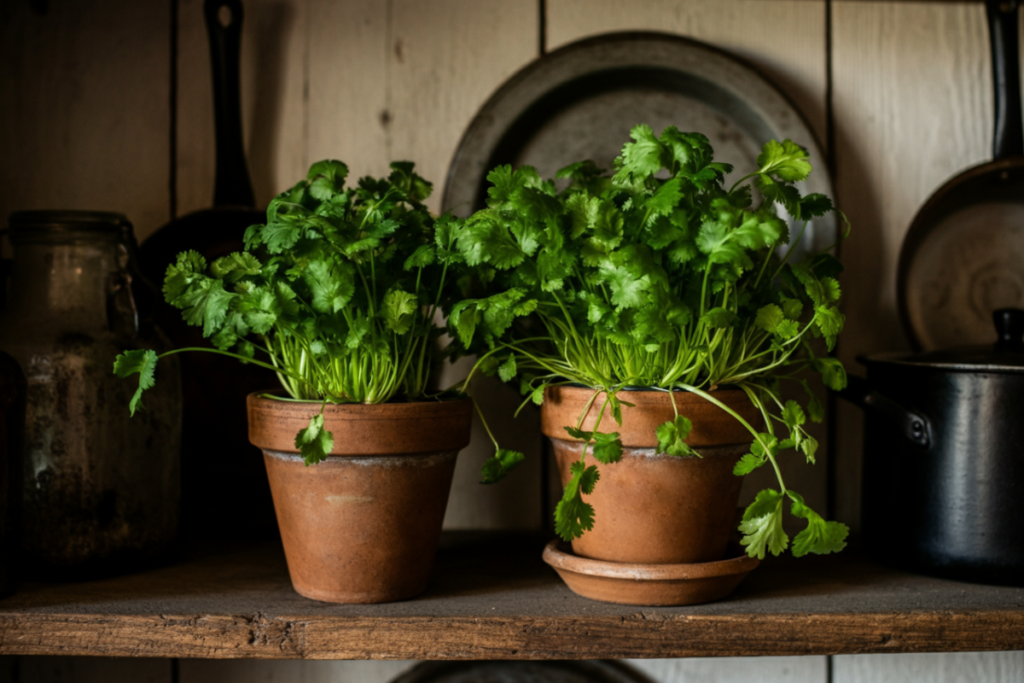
747	464
815	205
499	465
819	537
507	370
832	372
423	256
399	309
326	178
672	437
719	317
234	267
769	318
787	160
573	516
142	361
641	158
793	415
607	447
314	442
762	525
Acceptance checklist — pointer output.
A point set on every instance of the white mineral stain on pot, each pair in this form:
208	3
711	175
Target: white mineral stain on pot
346	500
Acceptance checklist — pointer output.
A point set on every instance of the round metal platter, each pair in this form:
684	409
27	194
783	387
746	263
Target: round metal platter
594	671
580	102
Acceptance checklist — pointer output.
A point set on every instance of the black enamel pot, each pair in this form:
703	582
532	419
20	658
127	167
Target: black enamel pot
943	489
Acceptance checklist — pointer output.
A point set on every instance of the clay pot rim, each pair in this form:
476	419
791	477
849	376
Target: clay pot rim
276	396
371	429
265	401
712	425
559	555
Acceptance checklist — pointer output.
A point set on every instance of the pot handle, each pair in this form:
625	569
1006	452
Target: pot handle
1002	25
914	427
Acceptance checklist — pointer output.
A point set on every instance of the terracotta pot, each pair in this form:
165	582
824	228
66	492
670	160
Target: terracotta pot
648	508
363	525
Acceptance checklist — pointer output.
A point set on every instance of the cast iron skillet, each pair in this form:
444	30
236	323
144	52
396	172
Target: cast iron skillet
962	256
224	487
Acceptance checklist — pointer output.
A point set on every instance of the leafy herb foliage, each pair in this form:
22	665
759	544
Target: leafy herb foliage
337	292
659	276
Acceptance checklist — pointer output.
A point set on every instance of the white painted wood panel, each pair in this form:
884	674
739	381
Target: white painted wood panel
913	106
347	76
967	667
784	39
734	669
262	671
85	120
446	58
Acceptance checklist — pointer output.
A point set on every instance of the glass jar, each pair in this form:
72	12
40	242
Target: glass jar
101	490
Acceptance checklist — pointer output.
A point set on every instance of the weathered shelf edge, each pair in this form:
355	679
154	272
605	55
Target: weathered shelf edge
259	637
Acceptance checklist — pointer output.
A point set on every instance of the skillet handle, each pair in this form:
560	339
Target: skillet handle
1008	136
914	427
232	186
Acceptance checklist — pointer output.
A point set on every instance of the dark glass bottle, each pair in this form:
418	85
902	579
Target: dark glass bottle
101	490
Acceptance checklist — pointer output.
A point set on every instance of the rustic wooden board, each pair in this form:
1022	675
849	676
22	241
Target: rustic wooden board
494	599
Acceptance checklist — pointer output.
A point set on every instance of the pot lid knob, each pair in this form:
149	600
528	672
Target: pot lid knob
1010	328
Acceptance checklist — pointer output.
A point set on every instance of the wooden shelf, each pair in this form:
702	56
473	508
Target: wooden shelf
492	598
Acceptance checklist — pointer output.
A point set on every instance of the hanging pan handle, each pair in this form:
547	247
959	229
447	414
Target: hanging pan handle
232	186
1008	136
914	427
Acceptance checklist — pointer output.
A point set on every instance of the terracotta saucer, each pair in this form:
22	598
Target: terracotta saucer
649	584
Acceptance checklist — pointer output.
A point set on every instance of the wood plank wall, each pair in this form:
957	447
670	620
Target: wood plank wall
87	122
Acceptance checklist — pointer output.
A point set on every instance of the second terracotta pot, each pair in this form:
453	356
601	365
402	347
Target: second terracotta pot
649	508
363	525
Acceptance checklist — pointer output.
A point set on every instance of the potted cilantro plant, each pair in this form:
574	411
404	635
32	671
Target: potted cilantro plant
653	316
338	293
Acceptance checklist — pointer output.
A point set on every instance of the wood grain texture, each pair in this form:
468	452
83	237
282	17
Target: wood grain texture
494	599
913	106
968	667
85	121
347	83
445	59
273	73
